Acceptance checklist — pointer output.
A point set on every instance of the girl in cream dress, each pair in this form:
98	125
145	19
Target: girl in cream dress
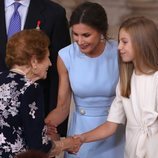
136	102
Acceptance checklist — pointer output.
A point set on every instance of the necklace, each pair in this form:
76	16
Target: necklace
18	71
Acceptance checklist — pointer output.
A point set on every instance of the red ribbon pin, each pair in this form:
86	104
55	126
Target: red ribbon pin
38	25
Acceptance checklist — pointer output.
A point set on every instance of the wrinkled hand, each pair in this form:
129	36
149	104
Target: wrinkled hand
74	144
57	150
70	144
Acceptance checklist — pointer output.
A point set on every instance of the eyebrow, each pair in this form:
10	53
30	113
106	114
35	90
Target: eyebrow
123	38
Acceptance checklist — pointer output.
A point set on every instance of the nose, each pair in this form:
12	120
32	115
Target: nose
80	40
119	46
50	64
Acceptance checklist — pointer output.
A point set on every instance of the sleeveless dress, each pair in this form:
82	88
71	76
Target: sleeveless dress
93	82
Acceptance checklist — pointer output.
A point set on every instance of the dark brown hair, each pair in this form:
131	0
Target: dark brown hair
32	154
91	14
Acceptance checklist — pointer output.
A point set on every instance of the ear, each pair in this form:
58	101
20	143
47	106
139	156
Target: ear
34	62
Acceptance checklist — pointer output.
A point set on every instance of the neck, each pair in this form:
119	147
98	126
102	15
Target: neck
20	70
98	50
24	70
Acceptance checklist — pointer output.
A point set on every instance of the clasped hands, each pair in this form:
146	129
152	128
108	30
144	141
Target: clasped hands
69	144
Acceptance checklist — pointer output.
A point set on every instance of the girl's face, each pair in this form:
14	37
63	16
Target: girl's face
125	47
88	39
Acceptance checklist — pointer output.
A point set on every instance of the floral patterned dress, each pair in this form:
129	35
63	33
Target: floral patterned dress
21	116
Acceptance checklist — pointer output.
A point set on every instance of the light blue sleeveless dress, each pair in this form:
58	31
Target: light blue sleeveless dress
93	82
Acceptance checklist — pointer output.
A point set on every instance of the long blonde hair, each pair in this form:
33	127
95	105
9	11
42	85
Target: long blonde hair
144	37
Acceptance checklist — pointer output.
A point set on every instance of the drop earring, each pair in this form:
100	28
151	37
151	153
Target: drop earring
102	37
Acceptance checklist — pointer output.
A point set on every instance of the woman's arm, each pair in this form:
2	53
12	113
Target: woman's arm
60	113
103	131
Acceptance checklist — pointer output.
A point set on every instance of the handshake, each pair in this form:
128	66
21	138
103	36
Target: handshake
69	144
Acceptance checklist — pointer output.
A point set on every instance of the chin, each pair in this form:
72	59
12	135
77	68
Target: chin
84	51
126	60
44	77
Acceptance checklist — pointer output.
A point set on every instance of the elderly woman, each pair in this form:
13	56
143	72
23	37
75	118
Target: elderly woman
21	99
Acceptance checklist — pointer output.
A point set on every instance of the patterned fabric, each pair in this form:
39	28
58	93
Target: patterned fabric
15	21
21	116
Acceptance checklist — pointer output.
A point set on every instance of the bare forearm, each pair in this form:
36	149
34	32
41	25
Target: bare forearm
105	130
57	116
60	115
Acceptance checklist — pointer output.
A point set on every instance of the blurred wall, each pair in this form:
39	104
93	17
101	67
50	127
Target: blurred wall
118	10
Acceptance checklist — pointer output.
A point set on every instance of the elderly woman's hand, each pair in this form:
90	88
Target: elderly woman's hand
74	145
70	144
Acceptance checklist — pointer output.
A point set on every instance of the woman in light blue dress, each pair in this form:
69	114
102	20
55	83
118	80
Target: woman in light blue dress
88	69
